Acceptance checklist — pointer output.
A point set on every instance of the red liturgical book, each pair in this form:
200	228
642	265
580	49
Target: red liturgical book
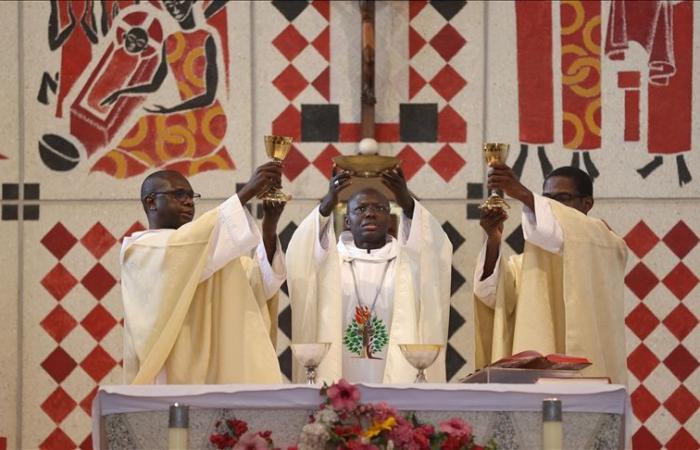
531	359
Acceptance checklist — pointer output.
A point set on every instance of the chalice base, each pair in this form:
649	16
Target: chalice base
494	202
276	195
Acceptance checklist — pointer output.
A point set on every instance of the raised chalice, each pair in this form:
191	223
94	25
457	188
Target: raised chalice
420	356
495	153
277	148
310	356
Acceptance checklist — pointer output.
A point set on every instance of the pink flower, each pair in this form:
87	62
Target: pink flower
251	441
382	411
343	395
456	427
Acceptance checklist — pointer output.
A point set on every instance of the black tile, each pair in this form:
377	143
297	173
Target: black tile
30	212
31	191
453	235
418	122
456	321
10	191
9	212
516	240
284	321
286	234
285	289
475	190
453	361
320	123
448	8
285	360
290	9
456	282
473	211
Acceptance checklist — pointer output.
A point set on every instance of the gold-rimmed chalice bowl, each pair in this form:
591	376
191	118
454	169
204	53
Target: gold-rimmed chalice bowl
420	356
310	356
495	152
277	148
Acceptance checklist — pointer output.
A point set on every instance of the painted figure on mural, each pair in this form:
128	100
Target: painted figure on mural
186	136
665	30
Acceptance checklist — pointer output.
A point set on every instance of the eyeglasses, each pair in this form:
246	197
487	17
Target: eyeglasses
374	208
180	195
563	197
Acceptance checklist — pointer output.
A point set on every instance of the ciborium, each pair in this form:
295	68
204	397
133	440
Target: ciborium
277	148
495	153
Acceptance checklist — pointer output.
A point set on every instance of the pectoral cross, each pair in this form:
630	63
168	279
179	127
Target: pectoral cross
368	98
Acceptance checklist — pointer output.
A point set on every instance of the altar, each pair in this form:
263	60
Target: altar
136	417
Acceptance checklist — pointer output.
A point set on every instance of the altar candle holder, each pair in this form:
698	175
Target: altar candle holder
552	433
178	426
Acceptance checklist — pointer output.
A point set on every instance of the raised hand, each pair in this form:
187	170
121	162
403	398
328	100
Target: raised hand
503	178
271	215
339	181
491	221
265	177
395	181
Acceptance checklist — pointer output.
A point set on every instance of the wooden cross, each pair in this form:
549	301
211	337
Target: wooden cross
368	98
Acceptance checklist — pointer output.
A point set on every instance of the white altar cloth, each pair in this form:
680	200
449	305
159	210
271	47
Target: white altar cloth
578	397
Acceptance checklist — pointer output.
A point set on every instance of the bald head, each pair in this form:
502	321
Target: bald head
375	194
368	218
167	199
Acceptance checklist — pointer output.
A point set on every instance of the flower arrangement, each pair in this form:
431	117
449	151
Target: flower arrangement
342	422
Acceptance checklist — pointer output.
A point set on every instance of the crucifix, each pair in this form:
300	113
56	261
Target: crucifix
367	80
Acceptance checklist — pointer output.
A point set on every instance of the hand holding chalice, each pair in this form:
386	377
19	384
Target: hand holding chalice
495	153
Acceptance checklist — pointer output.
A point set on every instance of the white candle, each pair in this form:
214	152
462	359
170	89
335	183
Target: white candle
178	425
552	433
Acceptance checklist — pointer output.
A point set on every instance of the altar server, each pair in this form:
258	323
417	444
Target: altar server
565	293
198	309
371	291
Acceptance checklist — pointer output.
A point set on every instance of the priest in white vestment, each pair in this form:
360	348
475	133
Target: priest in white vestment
565	293
200	296
370	292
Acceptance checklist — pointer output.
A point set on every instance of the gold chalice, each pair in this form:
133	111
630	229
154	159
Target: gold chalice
277	148
495	153
420	356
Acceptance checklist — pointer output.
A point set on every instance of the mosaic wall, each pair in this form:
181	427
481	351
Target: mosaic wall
105	92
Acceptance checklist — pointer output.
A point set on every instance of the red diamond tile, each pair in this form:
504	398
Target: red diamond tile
451	126
415	7
641	280
680	321
642	361
290	42
681	239
86	403
324	161
59	240
323	7
641	239
642	321
680	281
643	439
350	132
322	43
58	405
135	227
290	82
59	364
447	42
288	123
98	281
386	132
98	363
682	440
415	42
98	240
58	323
322	83
411	161
447	162
87	443
415	82
59	282
447	82
57	440
681	362
98	322
294	164
644	404
682	404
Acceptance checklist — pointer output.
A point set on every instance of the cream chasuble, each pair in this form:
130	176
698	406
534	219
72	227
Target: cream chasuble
196	310
412	297
571	303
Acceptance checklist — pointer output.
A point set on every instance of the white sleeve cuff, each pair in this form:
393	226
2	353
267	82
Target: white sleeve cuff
541	228
273	275
324	237
485	290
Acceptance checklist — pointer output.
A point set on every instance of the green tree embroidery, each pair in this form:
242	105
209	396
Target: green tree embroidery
366	334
